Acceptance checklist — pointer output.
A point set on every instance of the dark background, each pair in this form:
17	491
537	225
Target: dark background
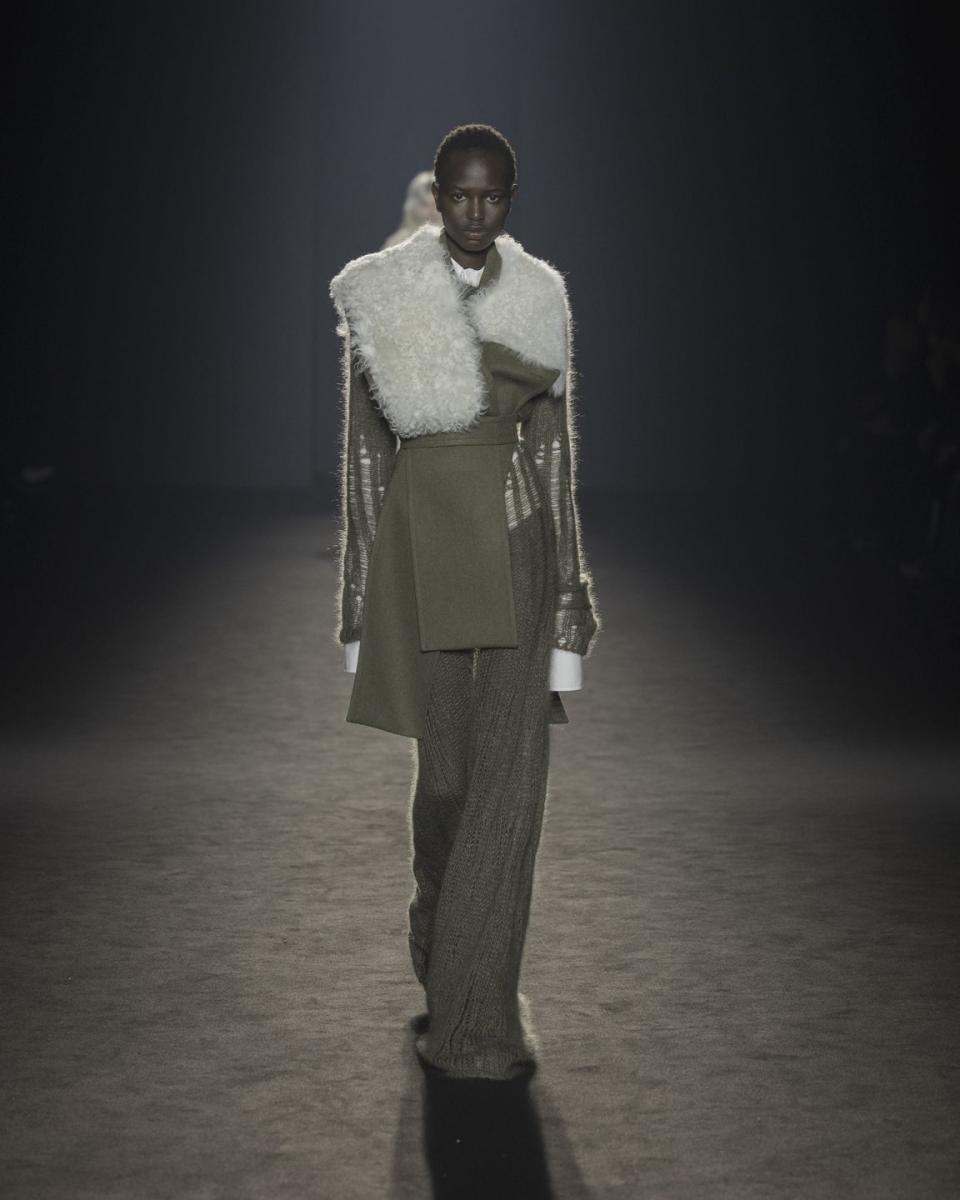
744	962
738	194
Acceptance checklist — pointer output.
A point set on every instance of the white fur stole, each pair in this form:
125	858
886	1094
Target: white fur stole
417	335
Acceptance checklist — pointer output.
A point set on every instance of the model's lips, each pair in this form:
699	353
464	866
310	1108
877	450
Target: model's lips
475	232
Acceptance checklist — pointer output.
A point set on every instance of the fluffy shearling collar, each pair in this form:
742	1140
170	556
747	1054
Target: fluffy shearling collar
417	332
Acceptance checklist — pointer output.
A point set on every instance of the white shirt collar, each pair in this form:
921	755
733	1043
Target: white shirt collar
470	275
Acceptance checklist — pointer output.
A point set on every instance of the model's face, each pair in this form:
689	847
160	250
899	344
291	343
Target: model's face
473	199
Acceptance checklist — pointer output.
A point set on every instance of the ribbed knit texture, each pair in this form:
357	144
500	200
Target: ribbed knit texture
477	812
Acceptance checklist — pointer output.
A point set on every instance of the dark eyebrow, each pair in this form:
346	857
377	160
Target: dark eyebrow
458	187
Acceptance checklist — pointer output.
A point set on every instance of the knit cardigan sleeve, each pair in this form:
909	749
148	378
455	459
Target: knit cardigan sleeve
368	450
551	435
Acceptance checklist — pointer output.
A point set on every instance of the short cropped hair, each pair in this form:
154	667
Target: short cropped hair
476	137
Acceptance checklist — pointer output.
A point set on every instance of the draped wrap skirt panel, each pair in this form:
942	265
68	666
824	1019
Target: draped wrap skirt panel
441	572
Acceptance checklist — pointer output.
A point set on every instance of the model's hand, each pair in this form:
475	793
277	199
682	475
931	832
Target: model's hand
351	652
566	671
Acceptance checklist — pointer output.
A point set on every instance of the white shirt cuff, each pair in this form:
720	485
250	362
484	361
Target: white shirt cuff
566	667
566	671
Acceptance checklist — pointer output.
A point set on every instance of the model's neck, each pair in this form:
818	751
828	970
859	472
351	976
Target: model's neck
466	258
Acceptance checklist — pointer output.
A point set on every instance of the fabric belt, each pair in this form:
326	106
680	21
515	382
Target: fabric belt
500	431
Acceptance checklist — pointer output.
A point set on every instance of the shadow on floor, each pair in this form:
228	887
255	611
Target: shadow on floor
474	1139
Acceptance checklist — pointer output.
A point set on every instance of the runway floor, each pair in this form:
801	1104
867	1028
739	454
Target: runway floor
742	959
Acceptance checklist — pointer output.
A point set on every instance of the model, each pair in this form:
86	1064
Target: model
465	600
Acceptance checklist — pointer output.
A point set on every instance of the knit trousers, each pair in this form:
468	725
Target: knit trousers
478	805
